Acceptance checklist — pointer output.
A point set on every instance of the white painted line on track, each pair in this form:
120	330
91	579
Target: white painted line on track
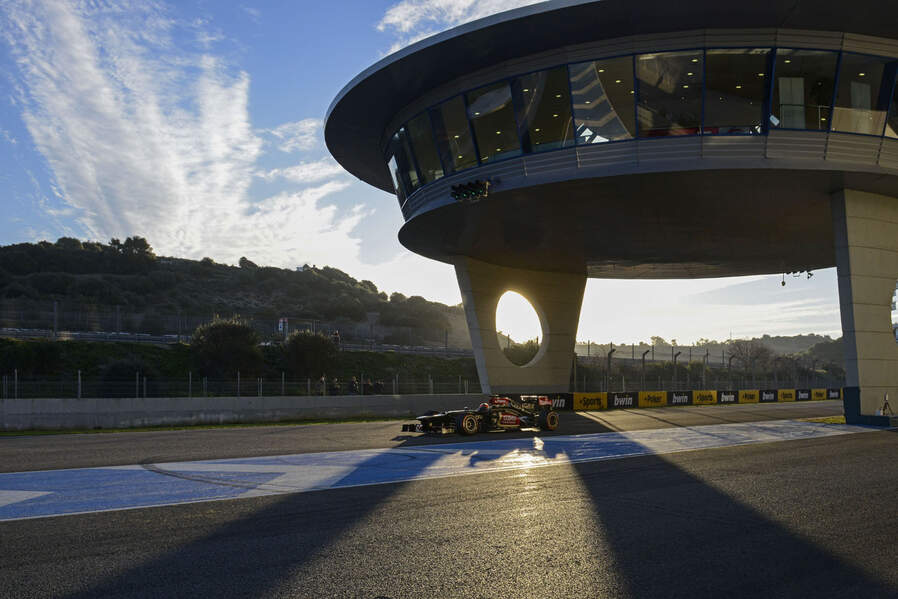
50	493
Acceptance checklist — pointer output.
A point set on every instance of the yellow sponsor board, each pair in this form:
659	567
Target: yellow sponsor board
818	394
590	401
785	395
704	398
749	396
652	399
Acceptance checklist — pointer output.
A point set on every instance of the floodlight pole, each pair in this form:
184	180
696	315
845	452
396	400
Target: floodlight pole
677	355
643	368
608	368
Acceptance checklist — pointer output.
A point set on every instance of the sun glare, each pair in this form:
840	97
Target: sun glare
517	318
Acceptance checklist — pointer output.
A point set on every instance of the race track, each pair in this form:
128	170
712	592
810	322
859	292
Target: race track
705	502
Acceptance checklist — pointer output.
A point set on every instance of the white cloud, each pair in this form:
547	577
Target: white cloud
306	172
145	136
300	135
412	20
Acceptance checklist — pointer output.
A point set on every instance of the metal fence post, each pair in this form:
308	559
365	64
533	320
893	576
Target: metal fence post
137	385
189	384
79	384
283	384
15	383
238	383
144	387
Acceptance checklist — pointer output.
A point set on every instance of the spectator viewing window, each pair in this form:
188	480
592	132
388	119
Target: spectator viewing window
492	117
803	89
425	151
453	134
669	90
736	90
404	172
544	110
863	95
603	99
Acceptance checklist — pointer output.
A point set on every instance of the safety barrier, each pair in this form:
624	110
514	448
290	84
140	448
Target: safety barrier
700	397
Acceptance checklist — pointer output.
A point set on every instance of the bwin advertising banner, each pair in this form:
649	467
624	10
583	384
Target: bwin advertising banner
768	395
562	401
818	394
679	398
802	395
727	397
652	399
833	394
704	398
622	400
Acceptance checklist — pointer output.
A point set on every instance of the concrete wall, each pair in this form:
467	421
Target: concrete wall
54	414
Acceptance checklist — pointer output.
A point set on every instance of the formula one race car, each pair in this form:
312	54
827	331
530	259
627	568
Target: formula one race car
500	413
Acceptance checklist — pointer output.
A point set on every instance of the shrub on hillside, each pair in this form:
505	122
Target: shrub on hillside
310	354
222	347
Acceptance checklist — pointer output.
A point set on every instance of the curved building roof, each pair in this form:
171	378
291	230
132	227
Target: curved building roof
361	112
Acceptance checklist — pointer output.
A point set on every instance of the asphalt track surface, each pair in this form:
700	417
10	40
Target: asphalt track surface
810	518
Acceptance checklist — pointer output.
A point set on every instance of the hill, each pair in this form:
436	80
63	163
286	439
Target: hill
120	286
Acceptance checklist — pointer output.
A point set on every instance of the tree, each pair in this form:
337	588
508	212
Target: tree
222	347
247	263
309	354
750	355
521	353
68	243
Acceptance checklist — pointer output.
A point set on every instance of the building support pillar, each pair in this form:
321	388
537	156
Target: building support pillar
866	244
556	297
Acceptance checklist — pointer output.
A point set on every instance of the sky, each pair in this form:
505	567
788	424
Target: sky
198	125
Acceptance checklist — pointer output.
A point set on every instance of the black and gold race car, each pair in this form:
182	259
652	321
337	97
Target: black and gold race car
500	413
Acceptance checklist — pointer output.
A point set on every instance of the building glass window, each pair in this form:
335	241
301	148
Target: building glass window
803	89
736	90
402	165
491	114
394	174
544	110
453	134
863	95
603	99
892	120
421	136
669	92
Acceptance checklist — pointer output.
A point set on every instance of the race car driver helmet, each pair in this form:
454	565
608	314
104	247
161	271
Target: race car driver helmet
484	407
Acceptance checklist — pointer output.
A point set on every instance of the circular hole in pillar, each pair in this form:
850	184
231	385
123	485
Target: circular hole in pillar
518	328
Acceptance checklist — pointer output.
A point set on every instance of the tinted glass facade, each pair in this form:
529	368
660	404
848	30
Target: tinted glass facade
669	89
492	117
421	136
803	89
453	135
714	91
736	90
603	94
862	98
544	110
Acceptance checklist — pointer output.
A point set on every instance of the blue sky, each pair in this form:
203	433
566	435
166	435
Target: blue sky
197	124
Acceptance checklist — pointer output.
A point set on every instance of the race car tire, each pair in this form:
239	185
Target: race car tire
548	421
467	424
